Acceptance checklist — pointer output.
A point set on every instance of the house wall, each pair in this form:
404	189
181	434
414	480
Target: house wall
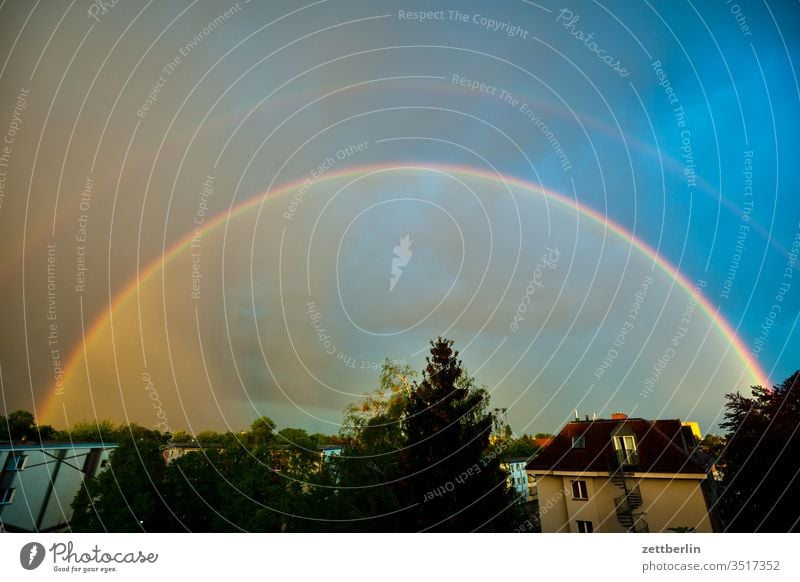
67	485
667	502
552	505
675	503
599	508
33	483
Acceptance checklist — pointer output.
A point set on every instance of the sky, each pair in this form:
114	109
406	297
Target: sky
211	212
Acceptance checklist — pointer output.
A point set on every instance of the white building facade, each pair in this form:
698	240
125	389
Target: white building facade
38	482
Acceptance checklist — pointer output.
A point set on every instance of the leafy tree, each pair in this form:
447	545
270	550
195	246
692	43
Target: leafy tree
759	463
326	439
128	496
21	425
299	451
205	437
261	431
257	498
92	431
416	456
521	447
367	474
252	481
713	445
181	436
48	433
193	489
452	480
296	437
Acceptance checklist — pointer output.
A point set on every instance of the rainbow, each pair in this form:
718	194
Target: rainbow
129	291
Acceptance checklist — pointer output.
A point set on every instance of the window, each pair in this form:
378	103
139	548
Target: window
584	526
578	442
6	495
16	462
579	490
625	448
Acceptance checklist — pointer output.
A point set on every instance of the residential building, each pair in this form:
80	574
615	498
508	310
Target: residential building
518	478
622	475
39	482
174	451
327	452
281	457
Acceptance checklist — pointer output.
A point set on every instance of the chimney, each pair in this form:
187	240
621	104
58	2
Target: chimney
619	416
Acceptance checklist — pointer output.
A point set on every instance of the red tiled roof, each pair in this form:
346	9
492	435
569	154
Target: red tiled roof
659	443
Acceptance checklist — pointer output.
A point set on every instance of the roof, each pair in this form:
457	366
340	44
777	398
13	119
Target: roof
192	445
515	460
19	446
663	446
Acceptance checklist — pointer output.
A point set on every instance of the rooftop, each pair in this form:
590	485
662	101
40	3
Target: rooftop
662	446
27	445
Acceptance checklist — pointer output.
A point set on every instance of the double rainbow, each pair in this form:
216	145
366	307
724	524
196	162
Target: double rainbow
757	374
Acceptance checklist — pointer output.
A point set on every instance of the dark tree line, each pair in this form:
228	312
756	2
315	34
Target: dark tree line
417	456
20	425
249	481
759	459
420	453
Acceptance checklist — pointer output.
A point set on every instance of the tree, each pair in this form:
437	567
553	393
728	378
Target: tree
48	433
21	426
523	447
452	480
759	464
92	431
261	431
182	437
713	445
206	437
327	439
358	491
299	450
251	481
194	491
128	496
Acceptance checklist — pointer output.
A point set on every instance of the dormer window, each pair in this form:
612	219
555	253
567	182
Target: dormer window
578	442
625	449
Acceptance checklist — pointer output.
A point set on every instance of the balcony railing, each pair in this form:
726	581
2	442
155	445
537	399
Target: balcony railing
626	458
